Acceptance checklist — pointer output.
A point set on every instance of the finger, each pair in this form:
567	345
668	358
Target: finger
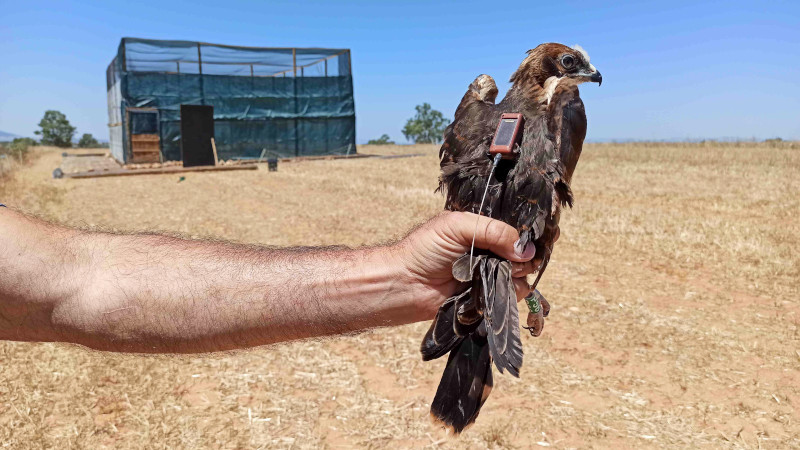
522	269
522	288
493	235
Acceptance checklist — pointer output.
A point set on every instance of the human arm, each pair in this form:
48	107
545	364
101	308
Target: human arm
153	293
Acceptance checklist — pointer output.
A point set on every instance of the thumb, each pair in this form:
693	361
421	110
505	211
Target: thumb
490	234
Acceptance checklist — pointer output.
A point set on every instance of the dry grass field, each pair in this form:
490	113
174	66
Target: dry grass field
675	321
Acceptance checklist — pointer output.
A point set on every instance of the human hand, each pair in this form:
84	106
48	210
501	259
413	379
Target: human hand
428	252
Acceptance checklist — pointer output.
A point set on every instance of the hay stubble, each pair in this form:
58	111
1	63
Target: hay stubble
674	323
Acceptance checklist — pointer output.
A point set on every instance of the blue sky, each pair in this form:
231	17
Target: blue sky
671	70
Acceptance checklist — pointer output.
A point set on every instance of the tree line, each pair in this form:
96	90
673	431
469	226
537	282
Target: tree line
426	127
54	129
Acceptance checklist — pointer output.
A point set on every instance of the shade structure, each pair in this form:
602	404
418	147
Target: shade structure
276	101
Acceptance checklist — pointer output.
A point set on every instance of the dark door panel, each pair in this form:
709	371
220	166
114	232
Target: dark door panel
197	129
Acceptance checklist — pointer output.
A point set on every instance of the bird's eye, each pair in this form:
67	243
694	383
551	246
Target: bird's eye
567	61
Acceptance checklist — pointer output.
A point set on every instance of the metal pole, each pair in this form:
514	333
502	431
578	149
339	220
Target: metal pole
124	57
327	132
252	81
294	84
350	68
200	70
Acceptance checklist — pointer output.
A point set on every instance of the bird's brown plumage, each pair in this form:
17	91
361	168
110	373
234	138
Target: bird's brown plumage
481	323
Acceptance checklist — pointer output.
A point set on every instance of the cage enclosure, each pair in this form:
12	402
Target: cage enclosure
286	101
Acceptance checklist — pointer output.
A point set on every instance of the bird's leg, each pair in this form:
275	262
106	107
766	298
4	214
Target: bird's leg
537	305
541	268
539	308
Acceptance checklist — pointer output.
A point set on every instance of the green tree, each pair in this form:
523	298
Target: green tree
55	129
88	141
383	140
426	127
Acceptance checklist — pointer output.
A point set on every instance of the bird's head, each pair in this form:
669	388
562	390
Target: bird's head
556	60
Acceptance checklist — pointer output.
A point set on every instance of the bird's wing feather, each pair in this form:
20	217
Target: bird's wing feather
502	319
441	337
465	167
539	184
528	198
568	122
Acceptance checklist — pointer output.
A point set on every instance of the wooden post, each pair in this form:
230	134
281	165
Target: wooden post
214	147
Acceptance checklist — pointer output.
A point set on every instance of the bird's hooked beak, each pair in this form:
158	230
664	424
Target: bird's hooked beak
596	78
589	74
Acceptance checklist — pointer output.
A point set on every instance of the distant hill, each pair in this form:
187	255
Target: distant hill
5	136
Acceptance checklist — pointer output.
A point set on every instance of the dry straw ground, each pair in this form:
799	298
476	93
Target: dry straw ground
674	323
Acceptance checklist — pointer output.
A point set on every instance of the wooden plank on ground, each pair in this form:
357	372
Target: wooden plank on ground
72	155
307	158
157	171
324	157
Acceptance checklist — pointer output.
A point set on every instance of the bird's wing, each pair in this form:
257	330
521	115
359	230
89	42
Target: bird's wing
568	123
539	184
528	203
465	167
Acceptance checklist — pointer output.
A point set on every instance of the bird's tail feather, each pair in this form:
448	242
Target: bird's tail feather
477	326
465	384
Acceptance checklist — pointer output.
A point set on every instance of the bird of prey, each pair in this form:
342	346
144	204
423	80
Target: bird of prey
481	323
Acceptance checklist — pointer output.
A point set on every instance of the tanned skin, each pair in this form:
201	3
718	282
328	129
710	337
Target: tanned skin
150	293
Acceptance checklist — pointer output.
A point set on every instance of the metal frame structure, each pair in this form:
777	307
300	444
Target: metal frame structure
309	112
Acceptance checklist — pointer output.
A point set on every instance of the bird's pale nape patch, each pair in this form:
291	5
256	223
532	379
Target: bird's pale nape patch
580	49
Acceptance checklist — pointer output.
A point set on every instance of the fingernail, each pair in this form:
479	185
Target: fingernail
524	253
